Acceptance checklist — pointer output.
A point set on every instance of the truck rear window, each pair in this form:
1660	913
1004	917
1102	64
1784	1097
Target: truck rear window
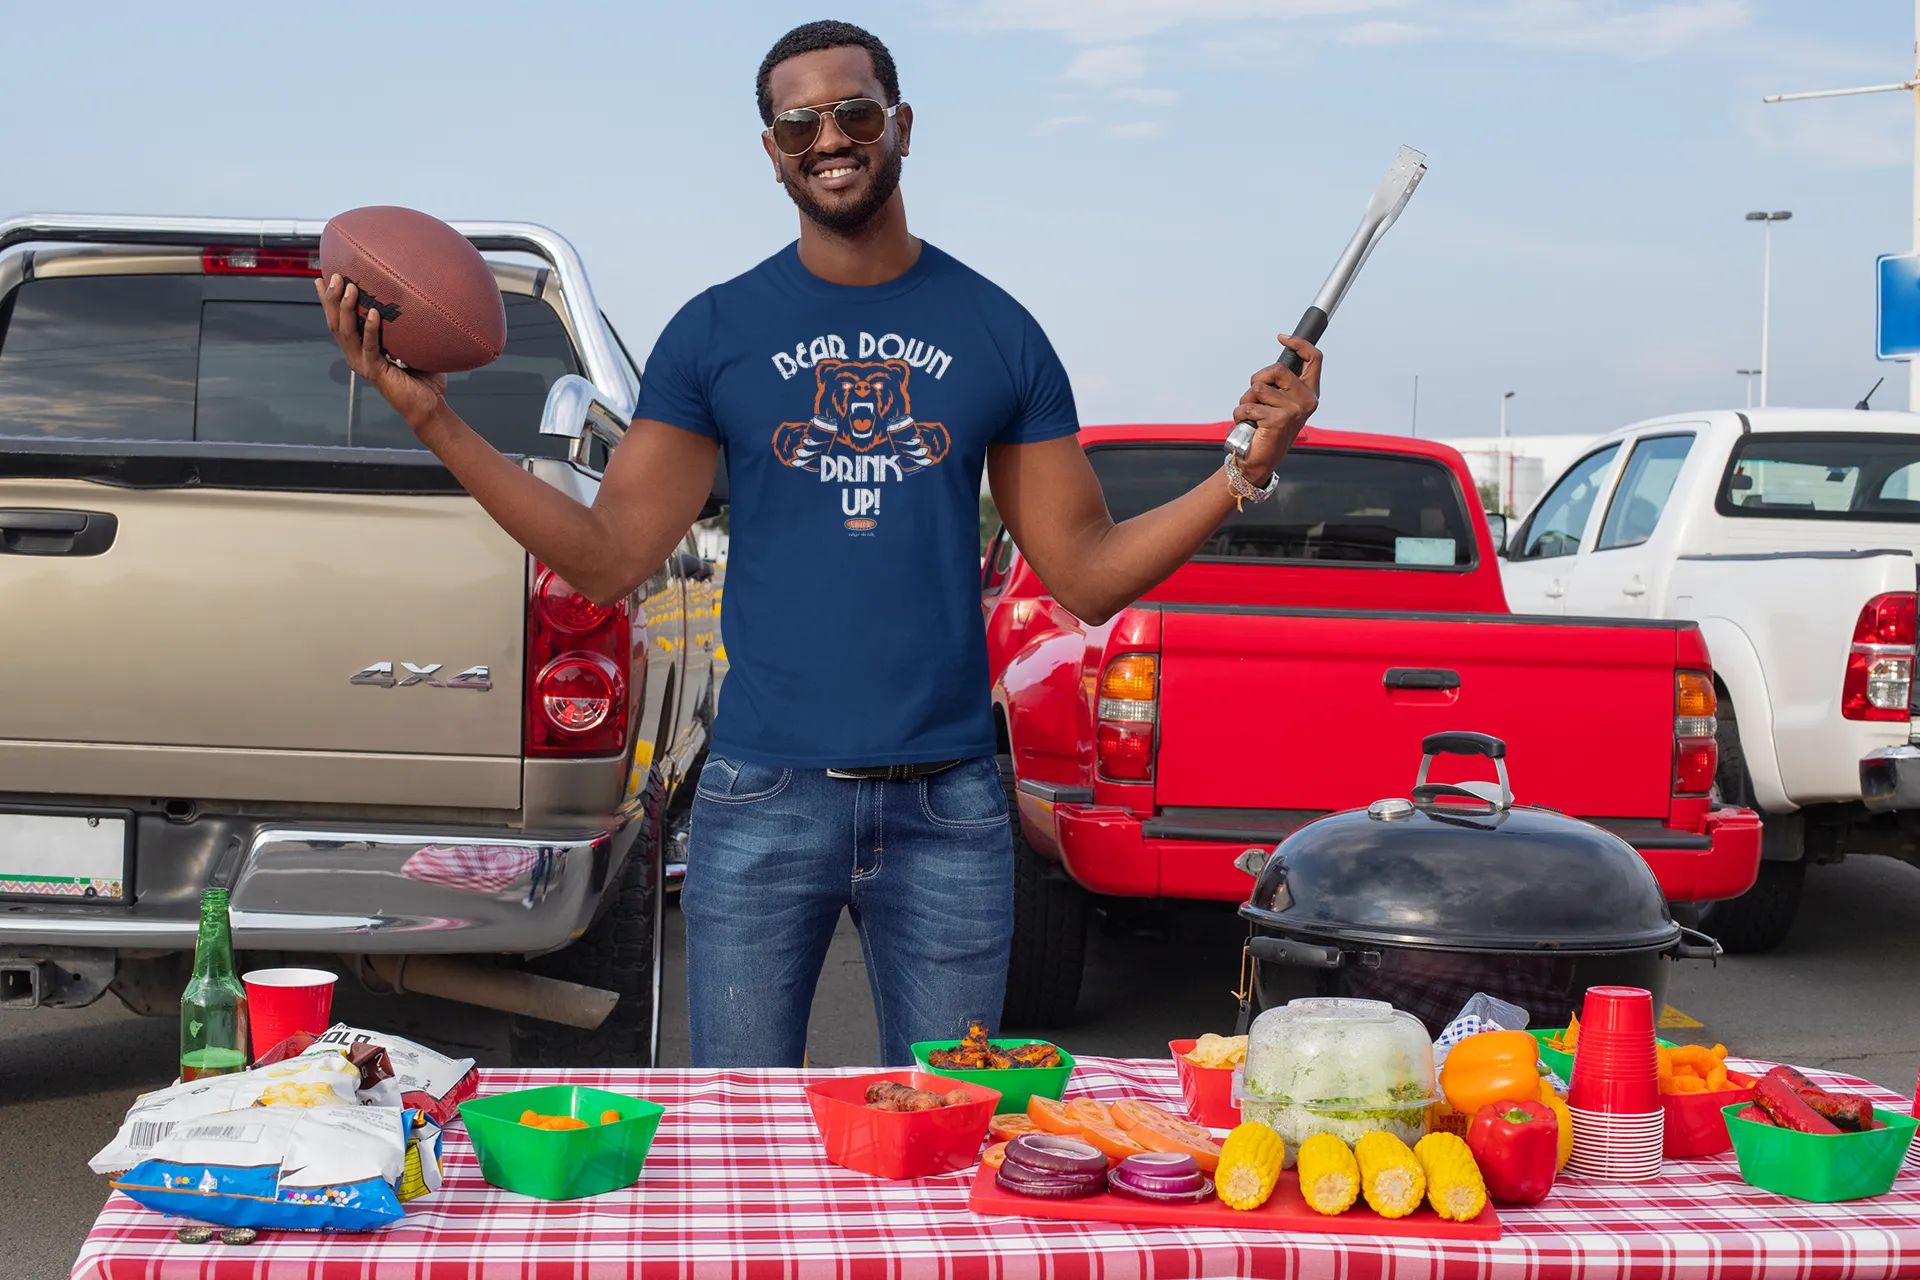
1332	505
1824	475
240	360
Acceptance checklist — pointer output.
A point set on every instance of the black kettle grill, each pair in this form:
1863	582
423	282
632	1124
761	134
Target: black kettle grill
1422	902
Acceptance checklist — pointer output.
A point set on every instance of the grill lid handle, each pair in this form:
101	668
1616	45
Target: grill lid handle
1463	744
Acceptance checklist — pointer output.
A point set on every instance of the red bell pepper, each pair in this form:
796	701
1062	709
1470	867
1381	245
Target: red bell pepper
1517	1146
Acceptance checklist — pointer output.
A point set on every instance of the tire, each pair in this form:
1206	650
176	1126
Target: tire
620	952
1049	951
1759	919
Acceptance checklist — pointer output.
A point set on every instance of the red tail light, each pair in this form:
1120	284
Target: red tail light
1125	718
581	672
1879	678
1696	749
261	262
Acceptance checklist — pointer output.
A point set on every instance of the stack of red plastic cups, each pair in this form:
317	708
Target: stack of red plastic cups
1614	1095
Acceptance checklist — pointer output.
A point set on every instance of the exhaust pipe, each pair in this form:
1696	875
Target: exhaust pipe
508	990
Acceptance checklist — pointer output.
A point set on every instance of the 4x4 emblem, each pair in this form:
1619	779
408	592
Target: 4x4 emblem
381	674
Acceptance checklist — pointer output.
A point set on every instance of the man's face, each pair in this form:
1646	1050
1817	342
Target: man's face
837	183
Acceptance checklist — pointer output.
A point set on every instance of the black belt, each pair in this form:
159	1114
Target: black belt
894	772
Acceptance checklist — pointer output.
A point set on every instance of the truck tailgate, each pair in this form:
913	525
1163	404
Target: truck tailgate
1274	708
209	653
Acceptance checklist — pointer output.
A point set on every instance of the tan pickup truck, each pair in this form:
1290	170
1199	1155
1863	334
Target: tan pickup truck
252	635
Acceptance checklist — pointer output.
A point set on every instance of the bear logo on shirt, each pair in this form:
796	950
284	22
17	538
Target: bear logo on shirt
862	425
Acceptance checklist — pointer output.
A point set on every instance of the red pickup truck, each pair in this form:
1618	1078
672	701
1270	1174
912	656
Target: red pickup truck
1292	669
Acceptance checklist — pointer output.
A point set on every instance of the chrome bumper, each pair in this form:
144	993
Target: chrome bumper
1890	779
357	892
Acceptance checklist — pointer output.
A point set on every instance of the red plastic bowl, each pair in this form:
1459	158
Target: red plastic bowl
1208	1090
900	1144
1695	1125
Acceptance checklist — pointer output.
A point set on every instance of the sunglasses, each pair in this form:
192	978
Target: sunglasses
861	120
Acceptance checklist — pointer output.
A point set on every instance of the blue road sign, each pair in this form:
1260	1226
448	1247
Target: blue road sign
1897	333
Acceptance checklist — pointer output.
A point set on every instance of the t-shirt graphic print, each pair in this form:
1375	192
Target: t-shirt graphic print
854	423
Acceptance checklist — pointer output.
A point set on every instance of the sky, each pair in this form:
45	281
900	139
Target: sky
1163	183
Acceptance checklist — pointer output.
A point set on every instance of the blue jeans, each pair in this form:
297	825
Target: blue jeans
774	855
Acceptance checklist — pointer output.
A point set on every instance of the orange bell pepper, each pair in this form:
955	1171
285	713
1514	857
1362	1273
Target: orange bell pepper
1490	1066
1564	1116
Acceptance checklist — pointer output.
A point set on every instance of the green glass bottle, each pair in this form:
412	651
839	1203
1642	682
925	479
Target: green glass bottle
213	1009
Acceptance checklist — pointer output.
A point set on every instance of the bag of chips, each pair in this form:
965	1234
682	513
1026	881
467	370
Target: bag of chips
432	1082
294	1169
325	1079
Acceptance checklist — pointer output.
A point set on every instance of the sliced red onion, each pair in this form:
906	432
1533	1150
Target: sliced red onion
1049	1153
1163	1164
1122	1178
1048	1186
1132	1186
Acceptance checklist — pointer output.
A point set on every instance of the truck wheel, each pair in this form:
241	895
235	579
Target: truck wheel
620	951
1757	920
1049	932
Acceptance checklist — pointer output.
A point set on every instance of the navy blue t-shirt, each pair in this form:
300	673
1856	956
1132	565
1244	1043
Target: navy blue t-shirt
855	422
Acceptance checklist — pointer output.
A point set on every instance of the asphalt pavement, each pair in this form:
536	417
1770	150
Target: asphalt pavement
1839	993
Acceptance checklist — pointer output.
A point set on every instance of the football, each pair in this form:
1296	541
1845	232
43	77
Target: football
440	308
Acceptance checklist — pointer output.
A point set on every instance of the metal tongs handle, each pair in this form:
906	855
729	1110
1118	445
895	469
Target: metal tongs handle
1388	199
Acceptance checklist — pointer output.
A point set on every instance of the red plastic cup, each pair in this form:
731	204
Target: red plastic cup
1207	1091
1616	1011
285	1002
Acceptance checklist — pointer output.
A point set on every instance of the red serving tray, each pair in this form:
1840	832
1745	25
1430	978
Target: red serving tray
1283	1211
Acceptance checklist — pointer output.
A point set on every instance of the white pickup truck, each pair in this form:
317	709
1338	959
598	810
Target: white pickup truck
1789	535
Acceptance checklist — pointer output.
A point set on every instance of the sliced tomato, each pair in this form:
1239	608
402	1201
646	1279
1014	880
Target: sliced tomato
1087	1111
1131	1112
994	1156
1205	1151
1049	1115
1009	1125
1112	1142
1174	1124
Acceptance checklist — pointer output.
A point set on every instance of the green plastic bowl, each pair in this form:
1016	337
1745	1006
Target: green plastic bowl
1821	1167
1560	1063
561	1164
1017	1085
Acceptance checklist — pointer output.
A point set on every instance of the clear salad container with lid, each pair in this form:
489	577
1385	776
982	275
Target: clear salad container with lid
1338	1066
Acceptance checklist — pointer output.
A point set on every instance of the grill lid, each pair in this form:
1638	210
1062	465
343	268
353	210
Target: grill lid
1460	867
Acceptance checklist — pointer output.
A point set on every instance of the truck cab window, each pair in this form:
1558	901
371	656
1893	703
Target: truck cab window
1331	505
1642	494
238	360
1558	523
1829	475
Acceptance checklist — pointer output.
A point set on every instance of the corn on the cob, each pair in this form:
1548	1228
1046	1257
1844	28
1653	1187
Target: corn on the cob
1390	1178
1329	1176
1455	1188
1250	1161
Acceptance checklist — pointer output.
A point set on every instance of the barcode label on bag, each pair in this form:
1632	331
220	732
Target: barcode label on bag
222	1133
147	1132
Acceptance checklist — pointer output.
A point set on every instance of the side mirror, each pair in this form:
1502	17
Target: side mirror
1498	525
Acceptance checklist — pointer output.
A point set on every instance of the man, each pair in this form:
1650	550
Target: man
858	381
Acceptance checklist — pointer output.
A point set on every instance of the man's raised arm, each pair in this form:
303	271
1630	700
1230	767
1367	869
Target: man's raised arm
1051	500
655	484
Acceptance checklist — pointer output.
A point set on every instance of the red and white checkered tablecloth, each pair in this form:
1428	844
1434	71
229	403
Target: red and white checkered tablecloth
736	1186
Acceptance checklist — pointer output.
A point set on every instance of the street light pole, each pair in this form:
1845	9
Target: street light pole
1911	86
1503	414
1766	295
1749	375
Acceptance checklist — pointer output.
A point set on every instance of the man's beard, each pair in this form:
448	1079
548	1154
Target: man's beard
886	180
